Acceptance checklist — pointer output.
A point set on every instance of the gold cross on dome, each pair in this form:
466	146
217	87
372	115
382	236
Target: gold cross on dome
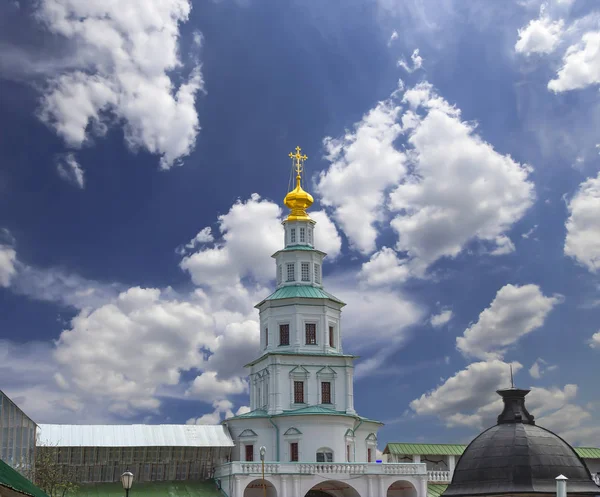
299	158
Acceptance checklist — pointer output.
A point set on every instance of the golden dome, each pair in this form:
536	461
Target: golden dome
298	200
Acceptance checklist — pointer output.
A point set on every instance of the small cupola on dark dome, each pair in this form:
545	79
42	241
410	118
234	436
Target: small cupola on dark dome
516	457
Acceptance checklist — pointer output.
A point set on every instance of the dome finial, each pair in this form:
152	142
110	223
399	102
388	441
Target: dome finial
298	200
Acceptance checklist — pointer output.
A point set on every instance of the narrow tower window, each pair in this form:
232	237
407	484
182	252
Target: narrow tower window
284	334
249	452
310	234
293	235
291	273
317	268
302	235
279	273
266	337
294	451
326	392
331	340
369	457
305	271
298	392
311	333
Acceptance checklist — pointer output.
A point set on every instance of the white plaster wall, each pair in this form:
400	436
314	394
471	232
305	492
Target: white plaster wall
296	257
297	312
339	371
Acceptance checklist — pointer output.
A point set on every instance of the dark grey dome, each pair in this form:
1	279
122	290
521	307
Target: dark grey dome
517	457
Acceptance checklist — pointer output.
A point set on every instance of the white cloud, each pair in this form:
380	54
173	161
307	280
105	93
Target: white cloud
528	234
251	231
384	268
595	341
582	242
69	169
539	368
417	62
207	386
214	418
394	36
514	312
460	189
503	246
127	50
8	259
203	236
364	164
581	65
541	35
441	318
327	237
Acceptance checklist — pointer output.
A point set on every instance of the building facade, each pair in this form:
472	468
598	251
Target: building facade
302	423
17	436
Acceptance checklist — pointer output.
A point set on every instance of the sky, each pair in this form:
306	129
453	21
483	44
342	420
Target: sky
452	154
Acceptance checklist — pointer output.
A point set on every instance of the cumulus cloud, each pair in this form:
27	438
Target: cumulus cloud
127	52
69	169
214	418
440	319
582	242
514	312
541	35
245	247
364	164
327	237
595	341
393	36
384	268
539	368
8	259
580	65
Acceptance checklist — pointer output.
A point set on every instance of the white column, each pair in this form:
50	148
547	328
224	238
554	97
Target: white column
423	486
296	485
382	487
416	458
370	486
278	408
237	486
451	464
349	391
284	489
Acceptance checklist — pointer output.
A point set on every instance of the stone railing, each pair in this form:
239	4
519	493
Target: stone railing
303	468
439	476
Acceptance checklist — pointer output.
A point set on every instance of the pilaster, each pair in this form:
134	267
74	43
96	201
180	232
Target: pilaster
349	391
423	486
284	486
382	486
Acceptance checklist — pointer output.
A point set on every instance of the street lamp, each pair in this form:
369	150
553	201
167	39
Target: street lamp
263	451
127	481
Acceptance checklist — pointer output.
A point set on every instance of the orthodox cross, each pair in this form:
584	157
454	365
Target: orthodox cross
299	159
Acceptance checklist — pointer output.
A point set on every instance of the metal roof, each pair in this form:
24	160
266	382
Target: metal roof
424	449
151	489
435	489
12	479
457	450
302	411
134	436
303	291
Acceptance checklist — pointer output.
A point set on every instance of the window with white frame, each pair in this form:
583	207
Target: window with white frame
325	455
305	272
310	235
291	271
292	235
317	269
302	235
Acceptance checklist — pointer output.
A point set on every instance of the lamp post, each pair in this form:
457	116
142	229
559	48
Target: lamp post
263	451
127	481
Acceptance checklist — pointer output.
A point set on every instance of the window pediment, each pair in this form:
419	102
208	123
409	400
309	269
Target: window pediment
371	437
299	372
248	433
292	431
326	372
349	433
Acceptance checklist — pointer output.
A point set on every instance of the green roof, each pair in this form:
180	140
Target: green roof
289	248
303	291
14	480
588	452
435	489
458	449
151	489
303	411
425	449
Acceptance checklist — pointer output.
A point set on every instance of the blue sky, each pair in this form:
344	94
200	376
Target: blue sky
453	159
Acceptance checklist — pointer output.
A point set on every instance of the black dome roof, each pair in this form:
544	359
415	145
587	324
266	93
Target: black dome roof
517	457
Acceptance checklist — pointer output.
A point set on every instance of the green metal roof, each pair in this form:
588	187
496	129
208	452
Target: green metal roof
303	411
425	449
302	291
14	480
457	450
151	489
435	489
588	452
289	248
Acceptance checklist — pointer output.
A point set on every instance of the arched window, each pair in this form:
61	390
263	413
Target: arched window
324	454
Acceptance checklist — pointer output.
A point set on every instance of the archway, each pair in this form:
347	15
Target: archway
256	488
332	488
401	488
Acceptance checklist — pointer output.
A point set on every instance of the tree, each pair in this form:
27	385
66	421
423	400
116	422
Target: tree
54	478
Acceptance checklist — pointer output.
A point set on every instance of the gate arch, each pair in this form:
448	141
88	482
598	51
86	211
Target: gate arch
332	488
401	488
256	489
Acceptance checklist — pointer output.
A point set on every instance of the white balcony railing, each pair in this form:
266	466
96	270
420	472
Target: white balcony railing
439	476
303	468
